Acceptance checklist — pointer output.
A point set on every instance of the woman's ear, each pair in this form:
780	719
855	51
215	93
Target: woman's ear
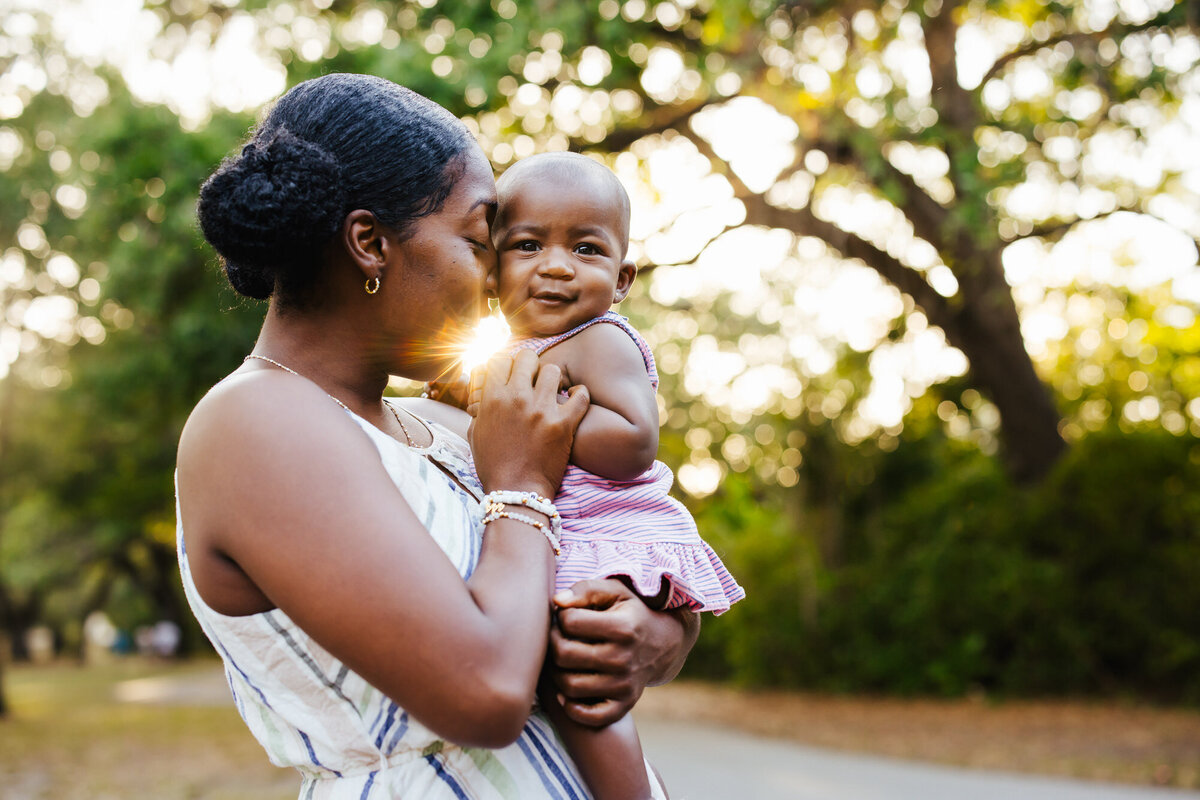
625	275
366	243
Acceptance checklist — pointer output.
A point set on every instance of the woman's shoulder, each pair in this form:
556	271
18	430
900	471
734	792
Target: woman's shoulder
250	409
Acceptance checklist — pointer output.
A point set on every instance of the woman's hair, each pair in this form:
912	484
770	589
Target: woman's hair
329	146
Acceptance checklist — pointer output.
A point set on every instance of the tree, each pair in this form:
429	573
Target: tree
946	112
122	324
850	75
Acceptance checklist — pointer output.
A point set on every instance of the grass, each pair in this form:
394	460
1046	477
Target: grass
104	732
68	738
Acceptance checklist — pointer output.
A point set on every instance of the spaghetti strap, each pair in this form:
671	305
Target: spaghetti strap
542	344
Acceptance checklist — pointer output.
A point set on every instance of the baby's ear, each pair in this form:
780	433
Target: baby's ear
625	275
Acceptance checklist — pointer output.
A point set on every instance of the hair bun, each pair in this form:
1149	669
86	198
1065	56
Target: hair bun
271	209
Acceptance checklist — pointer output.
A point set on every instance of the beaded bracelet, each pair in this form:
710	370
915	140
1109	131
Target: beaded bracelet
531	500
497	511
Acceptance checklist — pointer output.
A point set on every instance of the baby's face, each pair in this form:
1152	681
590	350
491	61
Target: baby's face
561	247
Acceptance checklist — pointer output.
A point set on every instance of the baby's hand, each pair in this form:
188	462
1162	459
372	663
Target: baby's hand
451	389
564	387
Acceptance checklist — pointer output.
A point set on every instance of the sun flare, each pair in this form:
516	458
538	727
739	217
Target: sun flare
488	337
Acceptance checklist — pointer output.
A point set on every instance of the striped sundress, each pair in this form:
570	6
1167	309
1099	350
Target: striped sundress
635	528
346	738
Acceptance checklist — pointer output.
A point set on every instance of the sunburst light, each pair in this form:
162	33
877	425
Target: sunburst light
489	336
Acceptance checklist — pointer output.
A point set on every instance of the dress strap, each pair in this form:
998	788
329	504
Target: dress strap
541	345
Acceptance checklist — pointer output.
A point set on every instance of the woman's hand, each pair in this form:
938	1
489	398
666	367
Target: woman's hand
607	646
521	435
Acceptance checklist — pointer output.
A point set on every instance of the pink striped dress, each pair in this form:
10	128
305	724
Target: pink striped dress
634	528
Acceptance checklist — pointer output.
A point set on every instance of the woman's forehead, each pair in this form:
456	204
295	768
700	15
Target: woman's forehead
476	185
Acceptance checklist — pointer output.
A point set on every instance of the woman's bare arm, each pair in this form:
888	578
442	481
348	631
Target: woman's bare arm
277	480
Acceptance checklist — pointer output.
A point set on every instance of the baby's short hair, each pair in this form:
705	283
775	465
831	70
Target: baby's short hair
576	166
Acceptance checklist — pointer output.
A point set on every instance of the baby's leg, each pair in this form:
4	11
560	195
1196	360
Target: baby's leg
609	759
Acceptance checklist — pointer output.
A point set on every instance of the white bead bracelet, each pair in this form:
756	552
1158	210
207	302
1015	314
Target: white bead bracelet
495	506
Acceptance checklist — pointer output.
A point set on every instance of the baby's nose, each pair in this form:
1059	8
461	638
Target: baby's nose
555	265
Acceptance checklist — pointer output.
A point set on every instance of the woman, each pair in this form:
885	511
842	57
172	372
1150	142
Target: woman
377	635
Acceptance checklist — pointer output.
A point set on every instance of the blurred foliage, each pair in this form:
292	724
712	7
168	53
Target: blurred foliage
902	559
88	517
952	580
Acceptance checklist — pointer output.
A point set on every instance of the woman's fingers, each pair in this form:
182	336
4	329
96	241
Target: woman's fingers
598	714
585	656
545	385
593	686
595	698
524	365
498	369
604	649
522	437
597	594
576	404
598	611
478	379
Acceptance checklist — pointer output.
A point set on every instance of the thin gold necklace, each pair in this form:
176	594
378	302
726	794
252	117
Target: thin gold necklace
407	436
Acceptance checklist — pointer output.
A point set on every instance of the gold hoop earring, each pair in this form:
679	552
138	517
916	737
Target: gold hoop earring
372	289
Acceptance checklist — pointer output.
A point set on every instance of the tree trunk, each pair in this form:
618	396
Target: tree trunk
987	329
7	403
981	321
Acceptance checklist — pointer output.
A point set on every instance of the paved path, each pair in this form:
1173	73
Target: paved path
702	762
699	762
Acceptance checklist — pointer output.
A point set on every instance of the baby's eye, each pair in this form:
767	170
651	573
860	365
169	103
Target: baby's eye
527	246
586	249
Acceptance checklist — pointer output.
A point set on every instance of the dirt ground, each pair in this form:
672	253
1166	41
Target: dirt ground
151	731
1101	741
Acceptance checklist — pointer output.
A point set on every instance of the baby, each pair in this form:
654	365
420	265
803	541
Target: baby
561	234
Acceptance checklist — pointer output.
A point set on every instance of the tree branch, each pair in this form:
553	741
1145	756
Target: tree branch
804	223
664	118
928	217
644	267
1074	37
1056	229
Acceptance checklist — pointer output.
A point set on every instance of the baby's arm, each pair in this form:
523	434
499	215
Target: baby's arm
618	438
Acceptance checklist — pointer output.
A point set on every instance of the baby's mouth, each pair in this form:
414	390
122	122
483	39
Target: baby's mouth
551	298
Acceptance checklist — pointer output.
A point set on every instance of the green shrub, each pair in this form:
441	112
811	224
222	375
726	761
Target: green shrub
947	578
